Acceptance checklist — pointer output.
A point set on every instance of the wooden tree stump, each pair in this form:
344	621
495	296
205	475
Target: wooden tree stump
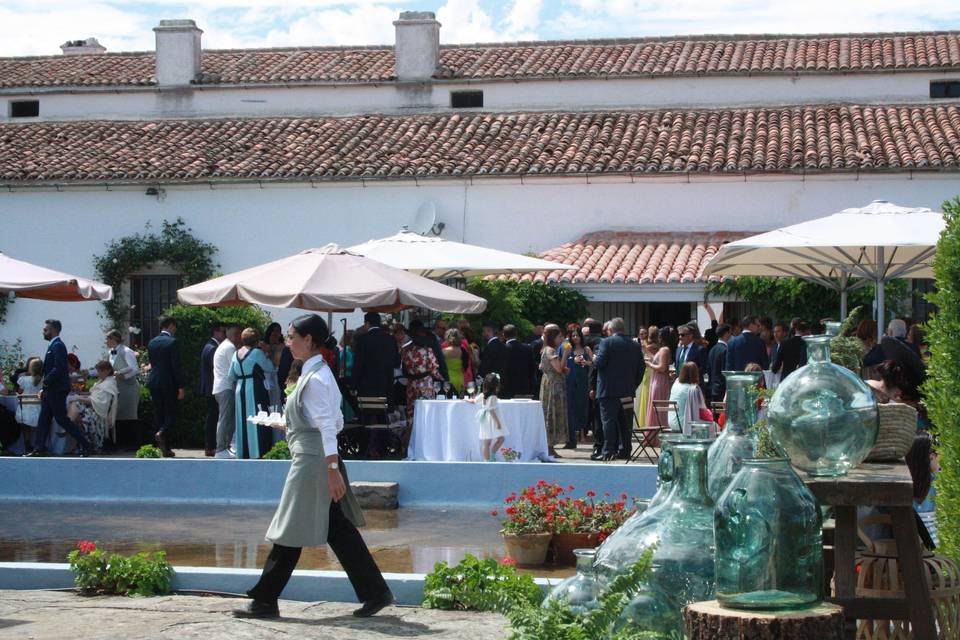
710	621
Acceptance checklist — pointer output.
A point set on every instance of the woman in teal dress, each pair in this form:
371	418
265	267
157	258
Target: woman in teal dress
249	369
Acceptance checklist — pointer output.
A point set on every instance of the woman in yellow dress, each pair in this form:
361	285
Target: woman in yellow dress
650	346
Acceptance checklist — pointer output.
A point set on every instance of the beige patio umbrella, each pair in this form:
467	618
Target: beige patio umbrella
330	279
27	280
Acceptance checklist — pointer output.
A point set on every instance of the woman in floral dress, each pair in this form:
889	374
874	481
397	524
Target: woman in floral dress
420	368
553	388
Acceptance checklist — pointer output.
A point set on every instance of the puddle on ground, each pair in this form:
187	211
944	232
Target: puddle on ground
408	540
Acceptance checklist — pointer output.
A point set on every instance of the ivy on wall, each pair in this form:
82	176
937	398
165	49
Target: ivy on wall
174	245
5	302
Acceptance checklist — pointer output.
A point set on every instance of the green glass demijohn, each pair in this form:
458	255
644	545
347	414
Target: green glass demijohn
581	591
736	442
682	530
664	473
823	416
769	542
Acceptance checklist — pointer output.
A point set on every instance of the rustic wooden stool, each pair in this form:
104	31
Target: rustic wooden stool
710	621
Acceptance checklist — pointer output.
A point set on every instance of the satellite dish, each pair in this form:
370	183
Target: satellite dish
425	222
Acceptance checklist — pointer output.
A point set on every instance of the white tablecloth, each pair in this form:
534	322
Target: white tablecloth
448	430
56	442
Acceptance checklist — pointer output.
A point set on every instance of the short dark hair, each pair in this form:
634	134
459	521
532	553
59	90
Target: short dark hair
803	326
723	330
217	326
509	331
689	374
310	324
372	318
115	335
782	325
749	320
54	324
167	321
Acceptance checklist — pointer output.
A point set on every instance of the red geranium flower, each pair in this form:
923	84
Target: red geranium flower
508	562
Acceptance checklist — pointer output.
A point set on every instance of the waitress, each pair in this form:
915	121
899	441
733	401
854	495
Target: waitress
317	505
123	359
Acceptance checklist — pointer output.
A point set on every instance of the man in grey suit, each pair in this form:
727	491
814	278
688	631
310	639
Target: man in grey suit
619	364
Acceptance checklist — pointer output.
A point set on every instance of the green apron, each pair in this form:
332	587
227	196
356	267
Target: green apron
303	515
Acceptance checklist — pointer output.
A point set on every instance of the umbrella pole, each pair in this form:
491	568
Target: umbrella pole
879	289
844	280
330	321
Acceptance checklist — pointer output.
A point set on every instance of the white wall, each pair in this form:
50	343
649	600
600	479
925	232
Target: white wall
251	225
708	92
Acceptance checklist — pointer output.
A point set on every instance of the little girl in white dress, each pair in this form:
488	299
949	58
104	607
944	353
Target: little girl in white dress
492	429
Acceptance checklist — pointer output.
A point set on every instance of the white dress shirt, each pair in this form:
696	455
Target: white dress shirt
126	357
222	359
320	399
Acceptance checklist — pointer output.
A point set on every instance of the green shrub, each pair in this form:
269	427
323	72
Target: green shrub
478	585
525	304
149	451
279	451
942	390
193	331
143	574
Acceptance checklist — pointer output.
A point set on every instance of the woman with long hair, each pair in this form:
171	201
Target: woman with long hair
659	366
579	359
248	370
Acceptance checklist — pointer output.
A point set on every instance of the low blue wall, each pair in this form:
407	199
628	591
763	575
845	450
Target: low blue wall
463	484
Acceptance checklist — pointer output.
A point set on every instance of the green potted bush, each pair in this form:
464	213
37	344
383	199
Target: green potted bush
526	531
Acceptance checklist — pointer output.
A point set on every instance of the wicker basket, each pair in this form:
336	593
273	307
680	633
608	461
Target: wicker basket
898	428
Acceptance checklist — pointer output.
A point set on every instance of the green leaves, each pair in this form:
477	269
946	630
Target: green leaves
525	304
148	451
942	389
478	585
143	574
279	451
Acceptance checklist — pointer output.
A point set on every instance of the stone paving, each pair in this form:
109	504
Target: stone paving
49	615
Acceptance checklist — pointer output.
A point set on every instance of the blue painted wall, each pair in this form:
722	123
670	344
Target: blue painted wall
260	481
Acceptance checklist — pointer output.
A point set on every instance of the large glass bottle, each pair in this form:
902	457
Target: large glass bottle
735	443
769	541
682	530
823	416
580	591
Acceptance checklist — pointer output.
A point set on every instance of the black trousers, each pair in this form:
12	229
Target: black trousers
347	544
164	409
616	434
210	424
593	421
53	406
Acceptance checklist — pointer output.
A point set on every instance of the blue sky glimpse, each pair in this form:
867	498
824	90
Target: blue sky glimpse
38	27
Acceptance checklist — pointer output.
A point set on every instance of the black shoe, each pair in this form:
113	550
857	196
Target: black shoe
258	609
596	456
623	455
570	445
36	453
370	607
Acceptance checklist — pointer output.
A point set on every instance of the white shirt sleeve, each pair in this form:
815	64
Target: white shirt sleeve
321	407
132	365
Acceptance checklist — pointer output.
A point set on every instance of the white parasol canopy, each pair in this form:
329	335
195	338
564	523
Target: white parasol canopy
438	258
27	280
878	243
330	279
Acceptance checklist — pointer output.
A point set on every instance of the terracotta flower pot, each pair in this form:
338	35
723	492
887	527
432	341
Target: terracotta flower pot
563	545
529	549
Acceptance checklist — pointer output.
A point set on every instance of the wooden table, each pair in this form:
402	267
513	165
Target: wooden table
877	485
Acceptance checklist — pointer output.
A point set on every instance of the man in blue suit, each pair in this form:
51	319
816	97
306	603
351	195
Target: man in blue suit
620	366
747	347
165	381
217	335
690	350
53	396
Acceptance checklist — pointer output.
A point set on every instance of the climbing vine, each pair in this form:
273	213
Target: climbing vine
174	245
5	301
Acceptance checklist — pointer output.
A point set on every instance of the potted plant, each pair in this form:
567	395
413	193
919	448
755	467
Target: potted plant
527	529
583	523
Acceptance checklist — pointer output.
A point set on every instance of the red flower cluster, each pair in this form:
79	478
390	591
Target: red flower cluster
86	546
508	562
549	508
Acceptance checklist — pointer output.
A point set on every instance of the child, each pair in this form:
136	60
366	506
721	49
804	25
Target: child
492	430
296	368
29	384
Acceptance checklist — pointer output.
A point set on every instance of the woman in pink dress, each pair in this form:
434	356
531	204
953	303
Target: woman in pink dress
659	366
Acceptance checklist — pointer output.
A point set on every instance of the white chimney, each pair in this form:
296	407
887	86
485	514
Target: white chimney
178	52
417	51
82	47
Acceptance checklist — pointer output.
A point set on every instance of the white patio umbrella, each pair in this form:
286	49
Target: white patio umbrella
330	279
27	280
438	258
878	243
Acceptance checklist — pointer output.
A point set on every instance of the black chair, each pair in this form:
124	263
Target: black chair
644	438
382	440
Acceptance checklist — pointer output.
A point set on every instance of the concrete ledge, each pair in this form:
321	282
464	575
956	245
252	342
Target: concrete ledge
214	481
305	586
376	495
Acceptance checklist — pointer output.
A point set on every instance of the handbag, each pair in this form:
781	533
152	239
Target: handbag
706	415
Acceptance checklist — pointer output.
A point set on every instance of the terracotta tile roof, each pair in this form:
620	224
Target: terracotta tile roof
668	56
617	257
788	139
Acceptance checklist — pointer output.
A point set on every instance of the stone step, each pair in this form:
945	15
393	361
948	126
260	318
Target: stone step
376	495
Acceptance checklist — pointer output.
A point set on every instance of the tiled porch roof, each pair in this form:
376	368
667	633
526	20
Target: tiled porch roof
626	257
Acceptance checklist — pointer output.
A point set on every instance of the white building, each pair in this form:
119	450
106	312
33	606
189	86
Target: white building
609	145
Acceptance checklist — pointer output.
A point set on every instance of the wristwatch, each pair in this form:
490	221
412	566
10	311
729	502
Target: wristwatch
333	466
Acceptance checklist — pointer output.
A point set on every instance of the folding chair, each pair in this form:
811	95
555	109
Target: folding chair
717	408
644	438
382	439
665	406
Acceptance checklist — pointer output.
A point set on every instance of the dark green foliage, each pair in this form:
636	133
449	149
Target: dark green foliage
193	331
279	451
148	451
942	390
785	298
478	585
143	574
5	301
175	245
525	304
557	622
